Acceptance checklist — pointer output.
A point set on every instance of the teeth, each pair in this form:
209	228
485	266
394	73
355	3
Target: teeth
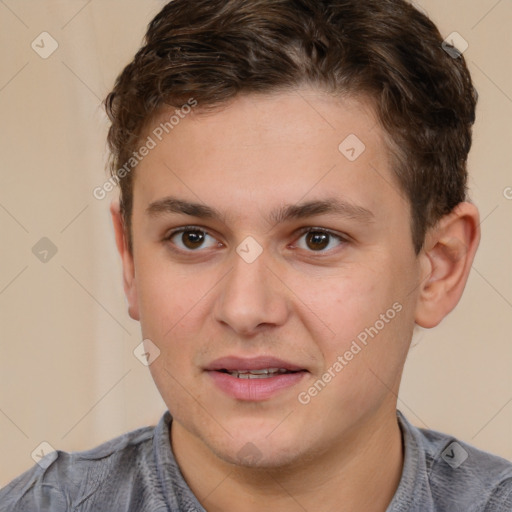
257	374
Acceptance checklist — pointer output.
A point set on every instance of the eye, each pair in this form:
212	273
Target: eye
318	239
190	238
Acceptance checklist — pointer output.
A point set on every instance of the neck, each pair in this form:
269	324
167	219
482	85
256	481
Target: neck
361	472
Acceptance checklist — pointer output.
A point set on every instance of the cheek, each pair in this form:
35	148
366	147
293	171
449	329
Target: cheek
338	306
175	306
168	295
171	309
366	305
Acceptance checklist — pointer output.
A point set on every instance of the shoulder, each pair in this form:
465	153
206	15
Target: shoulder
461	476
61	479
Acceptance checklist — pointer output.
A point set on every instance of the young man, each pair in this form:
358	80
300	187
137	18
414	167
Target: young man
293	202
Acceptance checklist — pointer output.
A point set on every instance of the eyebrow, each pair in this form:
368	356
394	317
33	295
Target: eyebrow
341	208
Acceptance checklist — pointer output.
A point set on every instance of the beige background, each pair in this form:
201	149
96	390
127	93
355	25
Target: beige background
68	374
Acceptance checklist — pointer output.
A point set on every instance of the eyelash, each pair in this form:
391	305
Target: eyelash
343	240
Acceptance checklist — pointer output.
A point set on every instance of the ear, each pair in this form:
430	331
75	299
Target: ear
446	261
129	281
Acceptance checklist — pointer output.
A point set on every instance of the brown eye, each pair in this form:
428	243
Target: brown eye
317	240
190	239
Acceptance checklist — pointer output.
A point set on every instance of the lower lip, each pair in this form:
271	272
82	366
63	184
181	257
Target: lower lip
254	389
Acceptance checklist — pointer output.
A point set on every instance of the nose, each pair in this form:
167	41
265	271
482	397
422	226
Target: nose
252	297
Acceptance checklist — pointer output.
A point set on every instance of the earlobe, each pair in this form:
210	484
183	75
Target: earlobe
129	281
446	262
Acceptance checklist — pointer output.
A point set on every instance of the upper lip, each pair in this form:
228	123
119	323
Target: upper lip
233	363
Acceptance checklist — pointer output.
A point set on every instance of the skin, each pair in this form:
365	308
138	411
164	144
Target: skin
297	301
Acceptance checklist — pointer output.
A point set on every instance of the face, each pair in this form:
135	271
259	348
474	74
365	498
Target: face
295	261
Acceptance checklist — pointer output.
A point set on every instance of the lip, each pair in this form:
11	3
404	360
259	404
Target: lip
253	389
233	363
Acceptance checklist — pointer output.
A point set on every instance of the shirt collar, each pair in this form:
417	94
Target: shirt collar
175	490
413	492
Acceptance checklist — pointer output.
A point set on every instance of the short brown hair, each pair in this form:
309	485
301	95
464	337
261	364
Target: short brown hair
214	50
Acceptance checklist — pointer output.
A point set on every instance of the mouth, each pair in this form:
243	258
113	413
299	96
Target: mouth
264	373
254	379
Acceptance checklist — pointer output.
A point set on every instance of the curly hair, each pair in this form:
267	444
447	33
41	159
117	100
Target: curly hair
387	50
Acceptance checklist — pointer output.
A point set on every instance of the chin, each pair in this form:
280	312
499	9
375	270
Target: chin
258	451
250	456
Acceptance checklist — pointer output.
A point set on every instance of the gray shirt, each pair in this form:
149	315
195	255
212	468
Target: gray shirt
137	472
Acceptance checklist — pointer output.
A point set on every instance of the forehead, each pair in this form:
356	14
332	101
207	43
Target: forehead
278	117
262	149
